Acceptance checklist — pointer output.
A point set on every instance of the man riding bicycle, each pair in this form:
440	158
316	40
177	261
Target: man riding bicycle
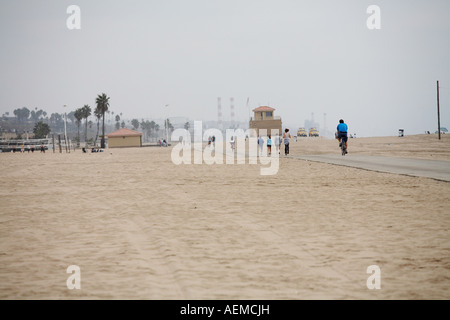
341	134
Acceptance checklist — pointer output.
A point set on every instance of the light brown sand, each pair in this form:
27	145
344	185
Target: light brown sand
140	227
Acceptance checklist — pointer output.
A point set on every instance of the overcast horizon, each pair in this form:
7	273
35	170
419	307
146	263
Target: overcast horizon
299	57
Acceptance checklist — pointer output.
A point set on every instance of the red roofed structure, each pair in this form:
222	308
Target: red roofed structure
123	138
263	109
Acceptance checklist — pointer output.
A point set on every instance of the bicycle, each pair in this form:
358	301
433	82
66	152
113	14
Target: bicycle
341	144
343	148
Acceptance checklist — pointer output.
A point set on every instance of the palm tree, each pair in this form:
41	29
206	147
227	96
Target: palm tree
87	111
98	115
102	102
78	116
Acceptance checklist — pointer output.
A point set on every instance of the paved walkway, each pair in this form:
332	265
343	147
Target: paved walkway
439	170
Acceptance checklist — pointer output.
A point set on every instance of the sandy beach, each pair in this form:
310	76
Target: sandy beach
141	227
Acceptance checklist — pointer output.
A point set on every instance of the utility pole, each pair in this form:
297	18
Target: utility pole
439	116
59	142
65	126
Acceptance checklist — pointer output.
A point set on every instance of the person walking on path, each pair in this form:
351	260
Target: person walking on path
260	145
286	139
278	141
232	143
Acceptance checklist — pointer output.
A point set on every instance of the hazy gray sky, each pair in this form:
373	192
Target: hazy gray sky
300	57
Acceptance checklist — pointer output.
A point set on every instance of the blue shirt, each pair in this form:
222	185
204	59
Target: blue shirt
342	127
269	142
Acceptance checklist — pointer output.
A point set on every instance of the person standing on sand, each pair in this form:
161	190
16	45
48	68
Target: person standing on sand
269	145
286	138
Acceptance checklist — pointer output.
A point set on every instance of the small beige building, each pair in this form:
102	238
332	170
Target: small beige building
264	118
124	138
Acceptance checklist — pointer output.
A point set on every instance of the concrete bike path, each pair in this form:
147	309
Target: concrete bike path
435	169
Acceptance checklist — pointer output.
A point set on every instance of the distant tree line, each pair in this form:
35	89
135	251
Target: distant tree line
41	123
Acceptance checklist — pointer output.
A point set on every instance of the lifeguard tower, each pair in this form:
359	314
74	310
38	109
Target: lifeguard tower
264	118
